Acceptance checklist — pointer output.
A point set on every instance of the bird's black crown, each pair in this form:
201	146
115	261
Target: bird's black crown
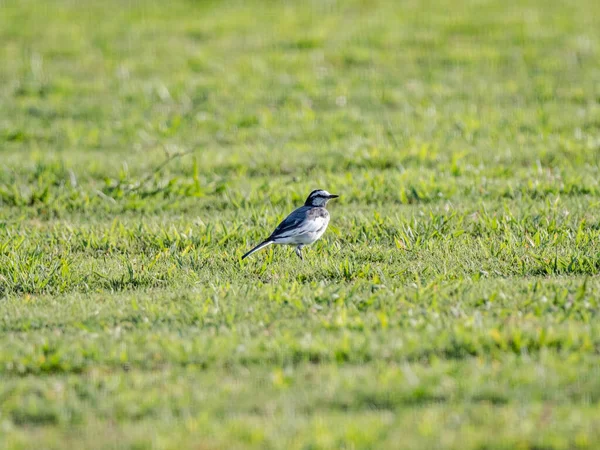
319	197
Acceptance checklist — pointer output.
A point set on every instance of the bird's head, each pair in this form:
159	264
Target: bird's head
319	197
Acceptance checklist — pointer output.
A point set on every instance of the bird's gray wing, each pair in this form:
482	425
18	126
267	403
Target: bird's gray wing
292	225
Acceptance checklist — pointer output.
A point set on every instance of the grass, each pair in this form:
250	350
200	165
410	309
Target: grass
454	301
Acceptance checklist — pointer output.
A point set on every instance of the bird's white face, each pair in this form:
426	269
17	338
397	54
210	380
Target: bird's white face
319	197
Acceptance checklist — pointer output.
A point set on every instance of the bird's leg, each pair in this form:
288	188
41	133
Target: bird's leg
299	252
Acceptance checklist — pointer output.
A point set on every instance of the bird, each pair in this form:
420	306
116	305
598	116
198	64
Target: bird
303	226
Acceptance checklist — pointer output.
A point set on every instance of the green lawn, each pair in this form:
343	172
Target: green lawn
454	301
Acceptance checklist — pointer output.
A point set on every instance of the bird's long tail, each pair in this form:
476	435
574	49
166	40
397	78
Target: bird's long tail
258	247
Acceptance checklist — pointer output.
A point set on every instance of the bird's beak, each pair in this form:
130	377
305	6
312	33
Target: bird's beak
333	196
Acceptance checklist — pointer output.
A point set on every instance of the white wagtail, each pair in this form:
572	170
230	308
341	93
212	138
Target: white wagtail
303	226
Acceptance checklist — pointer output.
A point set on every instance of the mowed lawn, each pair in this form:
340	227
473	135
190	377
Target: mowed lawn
454	301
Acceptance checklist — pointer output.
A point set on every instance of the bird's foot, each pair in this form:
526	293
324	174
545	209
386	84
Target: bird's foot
299	252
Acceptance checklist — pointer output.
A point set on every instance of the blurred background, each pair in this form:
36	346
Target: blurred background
275	91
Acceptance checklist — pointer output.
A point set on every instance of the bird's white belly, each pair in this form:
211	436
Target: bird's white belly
306	236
